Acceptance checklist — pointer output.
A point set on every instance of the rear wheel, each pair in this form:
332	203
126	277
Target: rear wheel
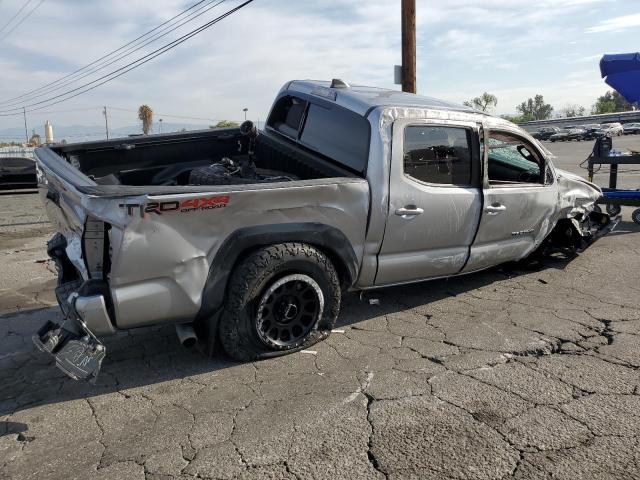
281	298
635	216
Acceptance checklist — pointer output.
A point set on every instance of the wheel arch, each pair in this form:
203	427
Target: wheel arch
329	240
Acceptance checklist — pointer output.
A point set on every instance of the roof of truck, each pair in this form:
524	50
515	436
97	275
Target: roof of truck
362	99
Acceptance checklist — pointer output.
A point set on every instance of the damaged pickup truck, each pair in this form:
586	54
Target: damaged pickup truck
247	239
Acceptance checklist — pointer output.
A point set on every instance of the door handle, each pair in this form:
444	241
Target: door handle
409	211
495	209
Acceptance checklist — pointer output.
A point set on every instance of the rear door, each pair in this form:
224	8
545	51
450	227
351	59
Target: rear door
434	200
520	199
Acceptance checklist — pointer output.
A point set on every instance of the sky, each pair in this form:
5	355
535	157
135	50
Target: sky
511	48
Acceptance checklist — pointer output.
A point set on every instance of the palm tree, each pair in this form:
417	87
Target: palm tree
145	115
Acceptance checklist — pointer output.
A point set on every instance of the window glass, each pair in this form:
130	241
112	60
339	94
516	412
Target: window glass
513	160
286	116
338	134
437	154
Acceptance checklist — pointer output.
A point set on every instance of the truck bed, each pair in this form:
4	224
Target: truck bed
153	247
168	160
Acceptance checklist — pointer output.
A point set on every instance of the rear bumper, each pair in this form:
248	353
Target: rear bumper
73	343
88	301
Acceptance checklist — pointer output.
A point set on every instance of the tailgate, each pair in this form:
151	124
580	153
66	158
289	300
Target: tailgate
65	205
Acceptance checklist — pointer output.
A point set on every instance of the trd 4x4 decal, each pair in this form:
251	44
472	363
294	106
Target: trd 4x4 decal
191	205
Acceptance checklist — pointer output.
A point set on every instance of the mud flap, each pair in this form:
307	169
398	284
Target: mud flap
77	352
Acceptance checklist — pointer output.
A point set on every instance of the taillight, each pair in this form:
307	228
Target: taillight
94	241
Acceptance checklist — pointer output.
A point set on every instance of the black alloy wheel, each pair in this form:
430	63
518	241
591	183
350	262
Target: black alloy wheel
288	311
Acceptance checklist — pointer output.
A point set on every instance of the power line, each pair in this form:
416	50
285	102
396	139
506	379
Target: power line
165	115
22	20
103	57
15	15
106	60
125	69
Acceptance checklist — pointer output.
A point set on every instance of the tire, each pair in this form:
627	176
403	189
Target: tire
290	287
613	210
635	216
597	209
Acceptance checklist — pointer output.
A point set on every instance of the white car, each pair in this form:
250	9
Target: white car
611	129
631	128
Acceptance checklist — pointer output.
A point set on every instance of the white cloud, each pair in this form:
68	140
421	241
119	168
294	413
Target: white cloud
617	24
465	47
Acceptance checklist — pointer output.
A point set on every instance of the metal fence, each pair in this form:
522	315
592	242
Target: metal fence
17	152
622	117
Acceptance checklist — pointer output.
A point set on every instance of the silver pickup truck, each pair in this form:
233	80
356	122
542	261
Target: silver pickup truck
248	239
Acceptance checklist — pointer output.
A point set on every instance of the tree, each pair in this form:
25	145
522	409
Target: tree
224	124
145	115
535	109
485	102
611	102
572	110
513	118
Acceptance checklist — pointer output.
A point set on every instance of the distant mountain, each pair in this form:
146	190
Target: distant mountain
87	133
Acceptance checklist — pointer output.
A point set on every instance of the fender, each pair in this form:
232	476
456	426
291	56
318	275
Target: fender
329	239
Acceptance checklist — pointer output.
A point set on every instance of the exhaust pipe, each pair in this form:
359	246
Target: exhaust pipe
186	334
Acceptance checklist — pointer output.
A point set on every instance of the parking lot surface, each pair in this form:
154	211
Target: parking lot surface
517	372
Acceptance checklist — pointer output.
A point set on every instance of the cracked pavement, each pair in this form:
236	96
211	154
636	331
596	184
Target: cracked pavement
511	373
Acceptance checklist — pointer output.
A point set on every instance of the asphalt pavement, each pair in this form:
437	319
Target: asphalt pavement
511	373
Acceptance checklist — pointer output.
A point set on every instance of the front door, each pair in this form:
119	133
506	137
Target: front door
434	202
520	198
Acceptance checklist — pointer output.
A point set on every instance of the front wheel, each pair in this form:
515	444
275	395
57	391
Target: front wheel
613	210
280	298
635	216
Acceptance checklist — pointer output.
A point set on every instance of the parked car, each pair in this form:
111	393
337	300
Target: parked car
591	130
250	238
631	128
610	130
561	136
545	132
17	172
577	134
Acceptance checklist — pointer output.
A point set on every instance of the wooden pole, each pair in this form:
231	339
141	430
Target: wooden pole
409	46
26	134
106	122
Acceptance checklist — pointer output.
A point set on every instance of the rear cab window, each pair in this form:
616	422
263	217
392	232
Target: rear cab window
324	128
440	155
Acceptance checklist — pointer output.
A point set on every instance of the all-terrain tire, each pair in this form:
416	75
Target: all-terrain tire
256	275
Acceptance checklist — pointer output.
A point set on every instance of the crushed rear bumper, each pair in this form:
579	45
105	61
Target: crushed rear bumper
73	343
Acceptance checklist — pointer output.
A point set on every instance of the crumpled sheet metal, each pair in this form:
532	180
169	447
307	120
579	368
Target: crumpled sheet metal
576	195
160	263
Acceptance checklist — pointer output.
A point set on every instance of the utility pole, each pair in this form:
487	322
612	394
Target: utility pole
106	121
409	46
26	134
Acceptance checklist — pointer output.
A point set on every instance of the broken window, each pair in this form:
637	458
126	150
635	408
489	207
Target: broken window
513	159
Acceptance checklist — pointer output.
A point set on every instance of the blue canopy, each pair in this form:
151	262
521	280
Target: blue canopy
622	72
